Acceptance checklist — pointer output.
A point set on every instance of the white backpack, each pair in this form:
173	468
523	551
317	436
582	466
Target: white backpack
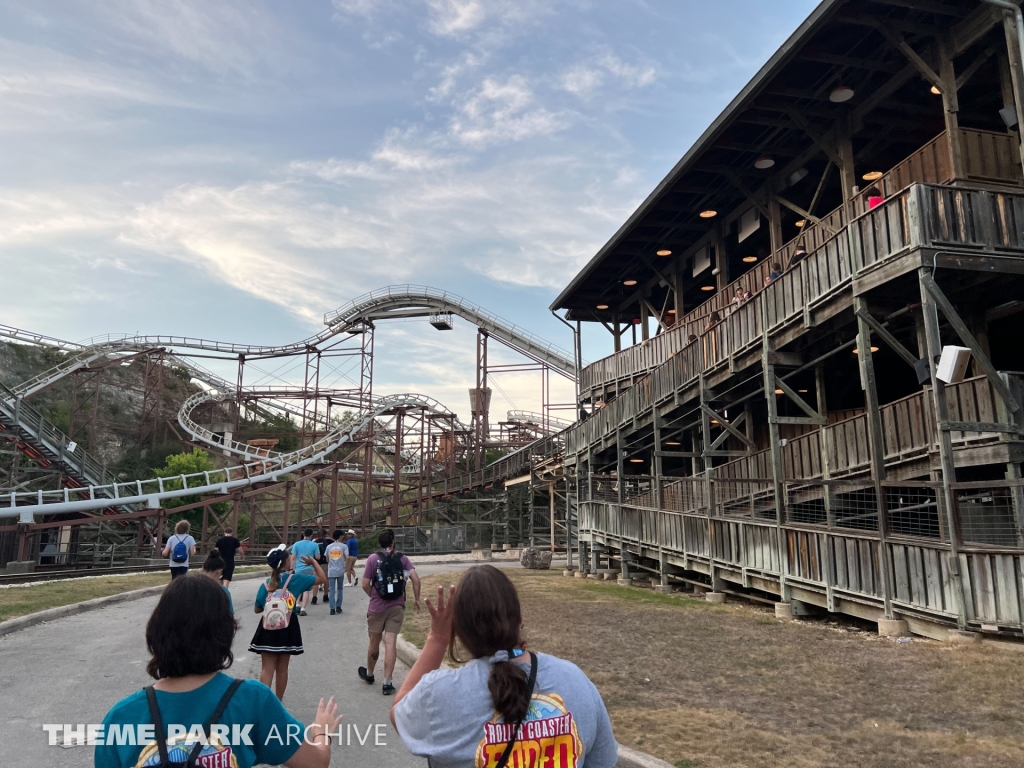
277	611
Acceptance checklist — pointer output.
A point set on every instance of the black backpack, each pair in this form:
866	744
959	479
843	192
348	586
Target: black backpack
390	581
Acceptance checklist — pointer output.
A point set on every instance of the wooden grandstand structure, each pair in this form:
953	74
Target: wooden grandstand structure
796	444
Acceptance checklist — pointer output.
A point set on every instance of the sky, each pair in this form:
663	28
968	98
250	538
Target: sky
235	169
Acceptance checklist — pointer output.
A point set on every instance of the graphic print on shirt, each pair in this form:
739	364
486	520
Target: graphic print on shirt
548	738
213	755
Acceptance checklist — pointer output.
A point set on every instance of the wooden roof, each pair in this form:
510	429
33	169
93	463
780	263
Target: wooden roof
785	112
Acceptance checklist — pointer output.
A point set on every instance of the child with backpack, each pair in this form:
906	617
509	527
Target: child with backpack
180	547
278	636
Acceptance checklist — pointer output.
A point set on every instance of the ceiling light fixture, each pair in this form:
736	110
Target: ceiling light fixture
804	391
629	282
779	392
664	252
801	223
764	162
872	176
749	259
672	442
857	351
636	461
708	214
935	89
671	312
602	306
707	287
841	94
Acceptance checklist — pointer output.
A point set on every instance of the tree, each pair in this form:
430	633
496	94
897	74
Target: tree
178	464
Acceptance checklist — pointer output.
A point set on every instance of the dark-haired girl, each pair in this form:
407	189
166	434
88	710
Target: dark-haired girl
277	646
505	705
189	638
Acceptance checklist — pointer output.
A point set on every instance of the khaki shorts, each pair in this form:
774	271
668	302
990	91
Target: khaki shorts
350	562
389	621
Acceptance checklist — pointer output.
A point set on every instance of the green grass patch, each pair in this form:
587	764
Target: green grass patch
18	601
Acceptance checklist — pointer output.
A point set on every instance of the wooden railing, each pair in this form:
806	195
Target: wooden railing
988	157
947	217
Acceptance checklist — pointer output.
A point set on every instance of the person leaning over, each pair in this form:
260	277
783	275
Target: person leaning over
180	546
504	698
189	639
384	581
301	549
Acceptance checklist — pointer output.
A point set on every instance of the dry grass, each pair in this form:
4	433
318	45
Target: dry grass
708	685
20	601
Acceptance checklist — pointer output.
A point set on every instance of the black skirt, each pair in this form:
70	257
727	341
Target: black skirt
287	640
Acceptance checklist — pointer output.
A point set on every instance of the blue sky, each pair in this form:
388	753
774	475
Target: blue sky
233	170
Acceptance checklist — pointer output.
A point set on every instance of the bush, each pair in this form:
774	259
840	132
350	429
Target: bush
369	544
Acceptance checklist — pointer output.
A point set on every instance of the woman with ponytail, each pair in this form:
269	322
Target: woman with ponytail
505	706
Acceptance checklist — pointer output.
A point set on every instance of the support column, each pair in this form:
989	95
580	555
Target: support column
774	222
334	500
826	489
951	109
934	341
1012	76
876	446
677	293
721	259
847	167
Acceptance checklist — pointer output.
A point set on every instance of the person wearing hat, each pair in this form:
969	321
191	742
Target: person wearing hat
350	559
277	646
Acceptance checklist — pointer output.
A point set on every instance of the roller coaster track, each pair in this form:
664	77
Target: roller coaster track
220	481
86	475
399	301
538	420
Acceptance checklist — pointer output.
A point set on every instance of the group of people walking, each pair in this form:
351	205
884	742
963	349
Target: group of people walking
504	706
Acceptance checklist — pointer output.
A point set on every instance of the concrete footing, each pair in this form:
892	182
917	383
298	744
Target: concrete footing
20	566
961	637
663	589
608	576
568	572
783	610
893	628
581	574
699	590
625	582
715	597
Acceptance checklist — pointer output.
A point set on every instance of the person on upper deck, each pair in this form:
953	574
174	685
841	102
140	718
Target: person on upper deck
799	254
874	197
713	319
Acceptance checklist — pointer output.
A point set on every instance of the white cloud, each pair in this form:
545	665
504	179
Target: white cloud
450	17
584	80
498	112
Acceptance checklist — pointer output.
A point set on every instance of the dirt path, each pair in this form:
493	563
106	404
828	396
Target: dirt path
707	685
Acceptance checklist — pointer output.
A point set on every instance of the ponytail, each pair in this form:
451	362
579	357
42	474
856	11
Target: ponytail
275	579
510	690
486	618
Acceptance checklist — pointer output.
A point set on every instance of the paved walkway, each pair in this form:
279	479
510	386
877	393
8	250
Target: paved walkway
73	669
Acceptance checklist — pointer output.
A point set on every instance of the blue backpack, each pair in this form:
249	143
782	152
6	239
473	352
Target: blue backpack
180	552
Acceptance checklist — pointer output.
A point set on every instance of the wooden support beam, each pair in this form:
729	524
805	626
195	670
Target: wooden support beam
792	394
977	426
980	359
974	66
826	146
887	337
729	428
742	188
896	40
806	214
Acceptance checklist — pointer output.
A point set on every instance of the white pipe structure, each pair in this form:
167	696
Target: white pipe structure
25	506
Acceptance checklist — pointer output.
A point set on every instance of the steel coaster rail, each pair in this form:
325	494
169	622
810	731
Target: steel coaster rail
151	492
537	419
376	305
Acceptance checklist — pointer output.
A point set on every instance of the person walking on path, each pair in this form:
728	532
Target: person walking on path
351	557
322	541
227	545
503	698
180	547
278	636
189	639
213	567
384	581
303	548
336	553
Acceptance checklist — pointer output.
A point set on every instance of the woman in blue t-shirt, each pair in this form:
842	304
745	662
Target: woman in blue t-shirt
277	646
189	636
